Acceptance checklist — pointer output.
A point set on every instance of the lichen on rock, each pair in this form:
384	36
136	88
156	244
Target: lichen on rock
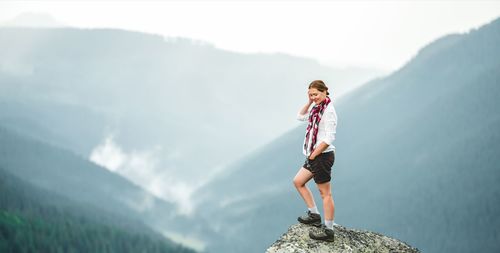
296	240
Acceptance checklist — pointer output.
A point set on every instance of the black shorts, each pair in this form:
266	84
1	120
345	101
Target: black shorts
321	167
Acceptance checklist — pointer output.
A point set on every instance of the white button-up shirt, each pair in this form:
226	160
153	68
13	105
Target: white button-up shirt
326	129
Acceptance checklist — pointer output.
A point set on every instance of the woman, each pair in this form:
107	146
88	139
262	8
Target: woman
320	156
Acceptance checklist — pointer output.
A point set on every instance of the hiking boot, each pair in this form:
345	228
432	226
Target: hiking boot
310	218
322	234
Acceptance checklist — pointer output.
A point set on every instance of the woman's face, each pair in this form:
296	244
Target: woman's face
316	96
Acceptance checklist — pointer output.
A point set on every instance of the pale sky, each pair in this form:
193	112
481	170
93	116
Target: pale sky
378	34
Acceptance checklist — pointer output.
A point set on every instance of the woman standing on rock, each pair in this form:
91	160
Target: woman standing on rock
320	156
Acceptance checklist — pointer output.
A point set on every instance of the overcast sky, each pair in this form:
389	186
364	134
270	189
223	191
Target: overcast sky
378	34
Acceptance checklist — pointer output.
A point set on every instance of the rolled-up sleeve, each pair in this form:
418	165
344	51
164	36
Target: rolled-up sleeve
330	117
302	117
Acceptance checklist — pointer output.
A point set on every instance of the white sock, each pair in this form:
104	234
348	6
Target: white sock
314	209
329	224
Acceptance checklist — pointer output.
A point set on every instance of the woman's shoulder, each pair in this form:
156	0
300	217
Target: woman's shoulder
330	107
330	111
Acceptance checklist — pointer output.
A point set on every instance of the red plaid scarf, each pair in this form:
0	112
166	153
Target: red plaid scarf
314	118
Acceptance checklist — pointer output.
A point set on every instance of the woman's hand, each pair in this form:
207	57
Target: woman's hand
306	107
318	150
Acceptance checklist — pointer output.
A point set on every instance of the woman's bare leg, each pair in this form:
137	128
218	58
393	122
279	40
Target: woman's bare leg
303	176
328	205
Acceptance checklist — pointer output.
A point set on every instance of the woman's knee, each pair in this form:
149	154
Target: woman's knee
302	177
325	195
298	183
325	192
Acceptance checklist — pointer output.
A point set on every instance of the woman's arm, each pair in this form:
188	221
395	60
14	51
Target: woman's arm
317	151
302	115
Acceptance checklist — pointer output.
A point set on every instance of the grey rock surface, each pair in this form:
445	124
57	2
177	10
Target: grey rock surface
296	240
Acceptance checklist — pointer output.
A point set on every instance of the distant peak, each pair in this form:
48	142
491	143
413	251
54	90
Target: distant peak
296	239
33	19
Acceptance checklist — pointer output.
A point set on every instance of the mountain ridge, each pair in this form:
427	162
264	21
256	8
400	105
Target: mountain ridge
33	219
55	169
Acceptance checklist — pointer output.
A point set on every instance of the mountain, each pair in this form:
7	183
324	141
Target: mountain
73	127
35	220
65	173
151	93
417	158
33	19
296	239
